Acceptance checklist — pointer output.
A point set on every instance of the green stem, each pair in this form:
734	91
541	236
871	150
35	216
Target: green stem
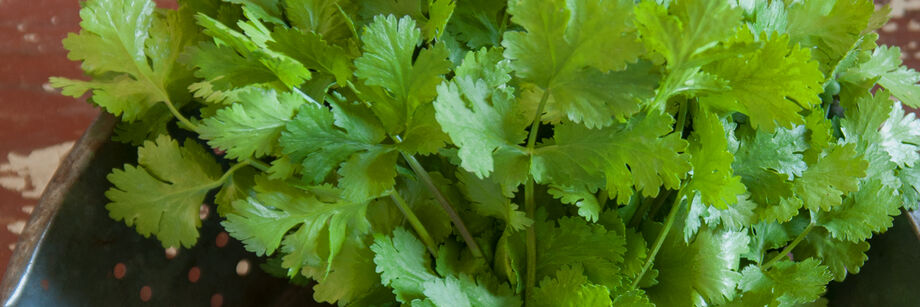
672	215
414	221
788	249
262	166
223	178
529	205
640	212
682	118
172	108
445	204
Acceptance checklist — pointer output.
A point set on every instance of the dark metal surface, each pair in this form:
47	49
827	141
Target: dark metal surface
70	249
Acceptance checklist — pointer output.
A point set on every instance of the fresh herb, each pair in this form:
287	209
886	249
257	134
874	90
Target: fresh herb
536	152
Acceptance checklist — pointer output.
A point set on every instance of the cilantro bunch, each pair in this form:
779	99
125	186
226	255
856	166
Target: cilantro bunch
536	152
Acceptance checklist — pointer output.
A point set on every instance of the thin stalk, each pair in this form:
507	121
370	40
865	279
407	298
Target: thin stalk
445	204
672	215
788	248
529	205
414	221
223	178
682	118
172	109
262	166
655	204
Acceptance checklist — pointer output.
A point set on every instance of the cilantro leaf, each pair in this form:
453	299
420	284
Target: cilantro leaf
764	288
131	53
837	173
349	136
713	176
640	153
279	214
867	211
478	23
387	62
489	199
251	128
705	268
564	244
329	19
404	265
477	110
830	28
884	64
841	257
771	85
570	287
314	52
578	35
163	194
901	136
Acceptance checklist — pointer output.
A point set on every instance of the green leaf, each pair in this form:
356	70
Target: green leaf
901	136
766	236
841	257
478	111
581	197
640	153
251	127
387	62
571	288
835	174
236	187
686	29
322	140
311	50
490	200
351	278
478	23
706	268
884	65
713	176
778	284
330	19
766	163
279	214
771	85
578	37
131	53
163	194
865	212
831	28
566	244
404	265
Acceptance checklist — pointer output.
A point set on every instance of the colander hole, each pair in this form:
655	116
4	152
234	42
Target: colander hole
194	274
217	300
242	267
222	239
171	252
146	293
204	211
120	270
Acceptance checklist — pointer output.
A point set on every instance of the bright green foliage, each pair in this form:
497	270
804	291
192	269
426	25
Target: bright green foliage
564	244
823	184
773	286
251	127
570	288
347	135
771	86
638	153
492	153
163	194
404	265
478	111
279	213
703	270
132	55
713	177
577	71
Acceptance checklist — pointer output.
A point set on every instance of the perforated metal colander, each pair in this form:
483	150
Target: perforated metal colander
72	254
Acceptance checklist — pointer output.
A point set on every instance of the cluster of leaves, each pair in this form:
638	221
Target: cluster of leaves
385	148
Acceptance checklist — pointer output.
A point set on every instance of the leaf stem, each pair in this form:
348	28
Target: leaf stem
182	119
682	118
445	204
529	205
223	178
655	204
788	249
672	215
414	221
